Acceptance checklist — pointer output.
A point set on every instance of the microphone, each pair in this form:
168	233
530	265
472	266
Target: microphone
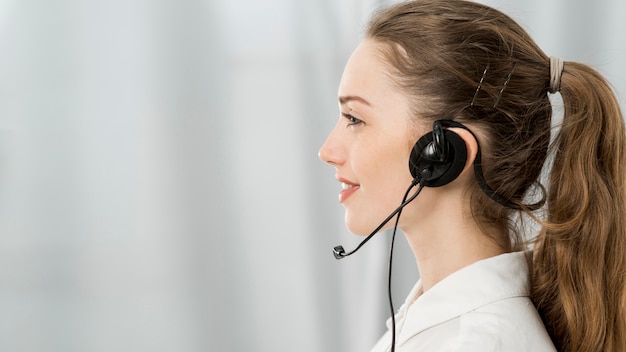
339	252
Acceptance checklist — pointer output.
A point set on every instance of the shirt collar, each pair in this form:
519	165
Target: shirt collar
483	282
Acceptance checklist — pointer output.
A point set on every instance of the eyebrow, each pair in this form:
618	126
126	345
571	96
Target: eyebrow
347	98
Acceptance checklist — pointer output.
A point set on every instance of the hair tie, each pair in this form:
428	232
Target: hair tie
556	71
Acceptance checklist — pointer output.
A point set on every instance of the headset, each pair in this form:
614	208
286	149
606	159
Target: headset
439	157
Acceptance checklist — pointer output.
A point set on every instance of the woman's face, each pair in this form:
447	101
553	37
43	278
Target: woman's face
371	143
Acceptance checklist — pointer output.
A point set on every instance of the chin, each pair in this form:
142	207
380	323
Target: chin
360	227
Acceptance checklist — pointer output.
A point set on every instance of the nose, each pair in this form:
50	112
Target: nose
332	152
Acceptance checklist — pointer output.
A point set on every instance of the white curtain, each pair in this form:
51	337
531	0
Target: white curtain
159	182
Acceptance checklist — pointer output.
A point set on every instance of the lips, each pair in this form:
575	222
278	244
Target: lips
347	189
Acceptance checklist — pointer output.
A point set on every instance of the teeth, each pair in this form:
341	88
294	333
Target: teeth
345	186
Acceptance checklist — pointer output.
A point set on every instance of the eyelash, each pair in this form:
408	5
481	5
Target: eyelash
353	120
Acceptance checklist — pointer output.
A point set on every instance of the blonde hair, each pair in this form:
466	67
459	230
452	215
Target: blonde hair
439	51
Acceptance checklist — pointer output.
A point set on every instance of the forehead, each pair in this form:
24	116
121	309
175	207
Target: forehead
367	74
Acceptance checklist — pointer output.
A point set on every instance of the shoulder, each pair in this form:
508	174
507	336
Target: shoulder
511	324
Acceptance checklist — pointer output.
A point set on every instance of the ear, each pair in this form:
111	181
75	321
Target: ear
472	148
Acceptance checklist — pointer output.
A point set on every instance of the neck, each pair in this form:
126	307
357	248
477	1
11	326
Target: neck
446	240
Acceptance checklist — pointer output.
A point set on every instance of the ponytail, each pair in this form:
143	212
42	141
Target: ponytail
579	269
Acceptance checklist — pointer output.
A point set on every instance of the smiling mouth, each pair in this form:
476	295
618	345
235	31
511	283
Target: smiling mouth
347	189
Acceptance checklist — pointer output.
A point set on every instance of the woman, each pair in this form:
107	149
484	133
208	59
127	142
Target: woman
463	72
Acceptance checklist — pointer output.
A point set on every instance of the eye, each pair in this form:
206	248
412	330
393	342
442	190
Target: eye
352	121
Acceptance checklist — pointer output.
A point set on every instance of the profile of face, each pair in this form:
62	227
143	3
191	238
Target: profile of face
370	145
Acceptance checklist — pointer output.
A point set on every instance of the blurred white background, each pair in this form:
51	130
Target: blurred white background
159	182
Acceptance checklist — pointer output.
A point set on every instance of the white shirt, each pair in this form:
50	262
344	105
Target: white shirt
483	307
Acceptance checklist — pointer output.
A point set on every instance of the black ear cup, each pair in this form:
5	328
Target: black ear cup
442	153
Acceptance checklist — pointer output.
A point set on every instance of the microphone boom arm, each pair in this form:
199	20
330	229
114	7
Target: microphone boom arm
339	252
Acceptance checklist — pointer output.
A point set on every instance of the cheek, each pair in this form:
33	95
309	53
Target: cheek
383	180
386	174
